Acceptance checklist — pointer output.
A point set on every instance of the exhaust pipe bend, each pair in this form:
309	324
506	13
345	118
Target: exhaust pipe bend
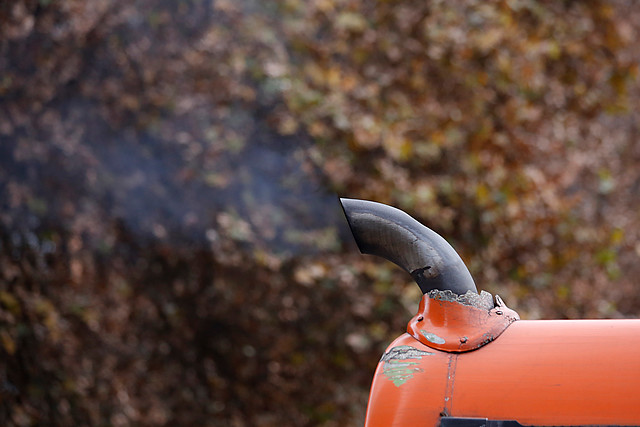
392	234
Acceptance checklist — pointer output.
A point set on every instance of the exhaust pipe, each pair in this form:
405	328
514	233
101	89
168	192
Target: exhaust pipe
392	234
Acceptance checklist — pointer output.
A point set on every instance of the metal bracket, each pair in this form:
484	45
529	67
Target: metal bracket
458	323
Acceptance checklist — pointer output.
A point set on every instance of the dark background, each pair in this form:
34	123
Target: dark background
172	251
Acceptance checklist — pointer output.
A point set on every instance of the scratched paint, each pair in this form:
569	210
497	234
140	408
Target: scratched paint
432	337
400	363
483	300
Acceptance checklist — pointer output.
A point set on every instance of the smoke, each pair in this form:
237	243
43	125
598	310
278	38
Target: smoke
150	186
153	130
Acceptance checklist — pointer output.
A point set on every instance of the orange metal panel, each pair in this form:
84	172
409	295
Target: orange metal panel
554	372
408	391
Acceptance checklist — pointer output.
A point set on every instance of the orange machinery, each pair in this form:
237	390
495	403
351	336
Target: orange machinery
468	360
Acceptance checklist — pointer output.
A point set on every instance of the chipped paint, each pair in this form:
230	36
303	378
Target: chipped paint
400	363
459	323
483	300
431	337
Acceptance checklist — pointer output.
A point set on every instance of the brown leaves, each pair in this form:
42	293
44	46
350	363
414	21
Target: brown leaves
170	249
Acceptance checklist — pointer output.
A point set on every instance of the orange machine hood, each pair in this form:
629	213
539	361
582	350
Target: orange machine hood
468	361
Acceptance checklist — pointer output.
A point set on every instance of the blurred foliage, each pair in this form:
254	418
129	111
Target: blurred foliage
171	249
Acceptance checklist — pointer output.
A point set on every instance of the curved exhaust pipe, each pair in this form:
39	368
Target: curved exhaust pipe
394	235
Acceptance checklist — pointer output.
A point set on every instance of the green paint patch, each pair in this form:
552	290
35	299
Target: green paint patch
400	372
399	363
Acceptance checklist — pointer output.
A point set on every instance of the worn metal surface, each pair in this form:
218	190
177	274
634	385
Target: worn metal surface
415	402
458	323
399	364
392	234
483	300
